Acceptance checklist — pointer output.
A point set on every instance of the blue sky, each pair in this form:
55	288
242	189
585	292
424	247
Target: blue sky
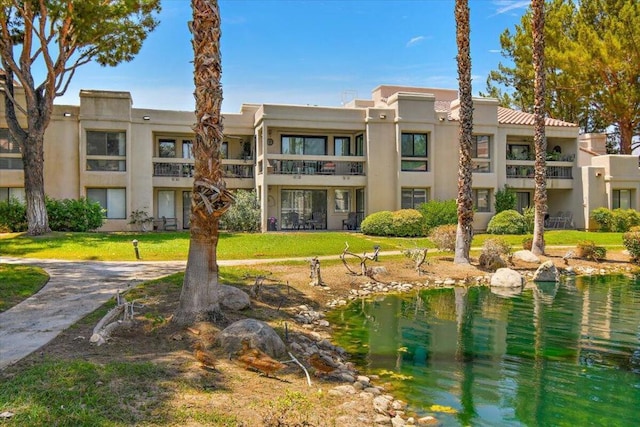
317	52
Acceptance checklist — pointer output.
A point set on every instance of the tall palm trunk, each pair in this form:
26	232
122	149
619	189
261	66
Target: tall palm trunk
464	232
199	297
539	139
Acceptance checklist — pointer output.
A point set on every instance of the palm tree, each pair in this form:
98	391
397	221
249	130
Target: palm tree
539	139
199	297
464	232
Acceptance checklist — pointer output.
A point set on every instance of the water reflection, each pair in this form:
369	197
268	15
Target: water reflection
557	354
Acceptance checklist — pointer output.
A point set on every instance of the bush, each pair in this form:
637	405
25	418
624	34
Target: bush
506	199
378	224
13	216
603	217
74	215
244	214
438	212
624	219
529	215
407	223
444	237
492	252
631	241
507	222
527	243
587	249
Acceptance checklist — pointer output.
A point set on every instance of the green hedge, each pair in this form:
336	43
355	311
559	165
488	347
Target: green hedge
64	215
438	212
507	222
13	216
402	223
616	220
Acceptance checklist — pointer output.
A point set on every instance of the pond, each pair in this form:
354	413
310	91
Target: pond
555	354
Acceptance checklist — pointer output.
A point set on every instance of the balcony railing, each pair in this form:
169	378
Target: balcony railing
315	167
185	170
553	172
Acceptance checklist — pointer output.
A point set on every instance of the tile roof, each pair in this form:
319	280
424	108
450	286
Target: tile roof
515	117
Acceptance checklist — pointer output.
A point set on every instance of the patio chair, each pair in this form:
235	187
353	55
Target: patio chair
351	223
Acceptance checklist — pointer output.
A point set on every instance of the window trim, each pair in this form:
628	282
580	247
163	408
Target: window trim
304	144
93	161
421	162
413	190
343	139
474	192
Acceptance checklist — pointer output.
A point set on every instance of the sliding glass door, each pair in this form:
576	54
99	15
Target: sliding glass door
300	207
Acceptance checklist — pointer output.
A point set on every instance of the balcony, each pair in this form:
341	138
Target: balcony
316	167
230	169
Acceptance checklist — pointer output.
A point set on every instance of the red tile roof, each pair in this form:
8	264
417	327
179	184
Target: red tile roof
514	117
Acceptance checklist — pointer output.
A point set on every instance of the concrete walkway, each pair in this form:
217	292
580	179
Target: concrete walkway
74	290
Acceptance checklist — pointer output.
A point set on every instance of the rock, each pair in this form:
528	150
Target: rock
428	421
547	272
382	420
507	278
381	404
233	298
345	389
491	261
260	335
526	256
398	422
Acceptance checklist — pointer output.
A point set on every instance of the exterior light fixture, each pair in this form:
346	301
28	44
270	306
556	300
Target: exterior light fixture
383	116
66	114
146	117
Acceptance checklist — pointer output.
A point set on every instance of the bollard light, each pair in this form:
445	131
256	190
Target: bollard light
135	248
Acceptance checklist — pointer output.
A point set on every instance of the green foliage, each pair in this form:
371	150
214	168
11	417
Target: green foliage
402	223
587	249
74	215
407	223
497	246
506	199
439	212
527	243
631	241
244	214
625	219
444	237
13	216
603	217
378	224
140	218
585	42
507	222
291	409
529	218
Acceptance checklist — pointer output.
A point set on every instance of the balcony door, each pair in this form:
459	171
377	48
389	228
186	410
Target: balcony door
300	206
166	203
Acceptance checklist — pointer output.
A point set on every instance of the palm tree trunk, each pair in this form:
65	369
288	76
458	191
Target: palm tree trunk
464	233
199	297
539	139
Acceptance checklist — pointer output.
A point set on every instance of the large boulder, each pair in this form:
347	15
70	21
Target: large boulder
526	256
233	298
259	334
507	278
491	261
547	272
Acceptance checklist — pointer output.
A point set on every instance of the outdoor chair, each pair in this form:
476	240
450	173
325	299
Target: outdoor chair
351	223
169	224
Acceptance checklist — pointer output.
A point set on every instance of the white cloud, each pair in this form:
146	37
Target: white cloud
415	40
504	6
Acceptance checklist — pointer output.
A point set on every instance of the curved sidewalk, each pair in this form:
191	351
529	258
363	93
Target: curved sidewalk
75	289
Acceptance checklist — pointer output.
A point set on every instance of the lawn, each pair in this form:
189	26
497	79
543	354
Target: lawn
19	282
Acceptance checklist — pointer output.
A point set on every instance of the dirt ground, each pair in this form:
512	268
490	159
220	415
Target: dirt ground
253	399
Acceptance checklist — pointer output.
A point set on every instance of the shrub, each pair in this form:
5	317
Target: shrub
407	223
244	214
529	215
624	219
378	224
13	216
631	241
505	199
603	217
527	243
507	222
492	252
439	212
587	249
74	215
497	246
444	237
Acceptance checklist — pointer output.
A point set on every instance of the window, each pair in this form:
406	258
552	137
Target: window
187	149
413	197
10	193
414	145
519	152
360	145
304	145
342	200
342	146
167	203
7	144
481	197
224	150
106	151
481	153
167	148
113	200
14	163
621	199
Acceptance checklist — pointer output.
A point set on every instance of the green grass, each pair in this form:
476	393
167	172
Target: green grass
19	282
175	246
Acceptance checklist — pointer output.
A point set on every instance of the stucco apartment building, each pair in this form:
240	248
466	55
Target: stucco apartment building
319	167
